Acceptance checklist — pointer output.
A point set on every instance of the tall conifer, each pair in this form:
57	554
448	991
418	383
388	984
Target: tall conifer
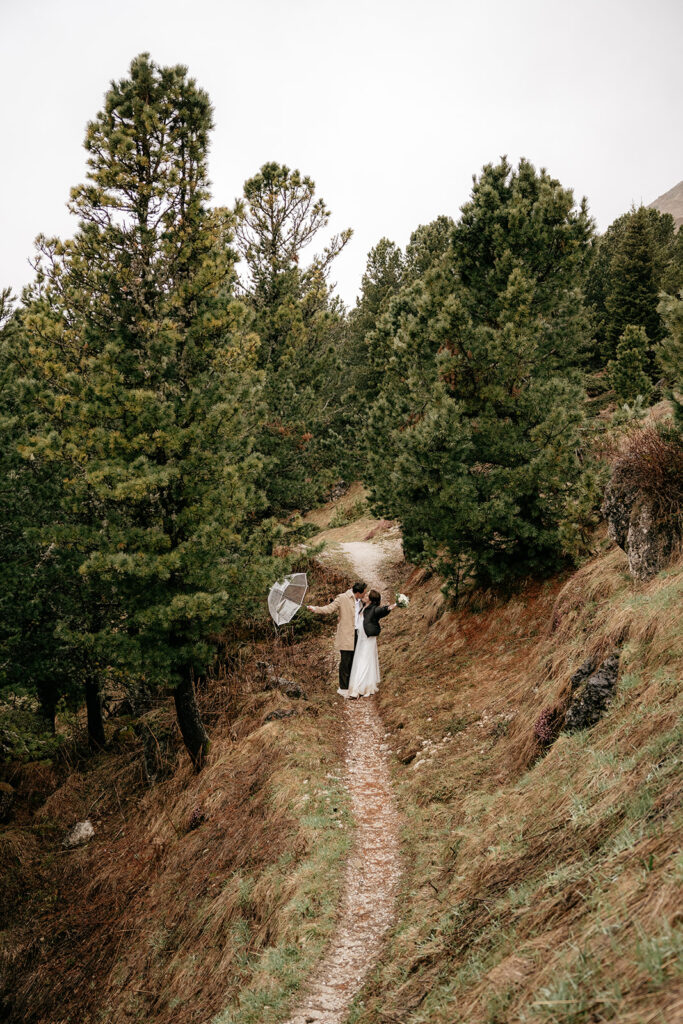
137	334
478	422
35	590
637	252
301	329
669	353
627	371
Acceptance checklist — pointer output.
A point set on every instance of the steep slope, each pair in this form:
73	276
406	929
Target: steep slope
541	872
671	202
543	879
200	897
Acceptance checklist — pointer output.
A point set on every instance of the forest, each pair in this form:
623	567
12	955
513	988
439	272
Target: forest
181	389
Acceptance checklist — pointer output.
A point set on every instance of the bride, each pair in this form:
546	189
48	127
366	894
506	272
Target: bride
365	668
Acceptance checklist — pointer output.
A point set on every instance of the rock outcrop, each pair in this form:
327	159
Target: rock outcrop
592	690
272	681
648	538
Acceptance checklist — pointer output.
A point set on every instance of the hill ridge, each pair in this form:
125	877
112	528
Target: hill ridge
670	202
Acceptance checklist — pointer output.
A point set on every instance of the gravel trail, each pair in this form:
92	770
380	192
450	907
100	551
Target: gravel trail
373	869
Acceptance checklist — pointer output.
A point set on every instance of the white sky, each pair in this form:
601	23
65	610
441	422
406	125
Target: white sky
389	105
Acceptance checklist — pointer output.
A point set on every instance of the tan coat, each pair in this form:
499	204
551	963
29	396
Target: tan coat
345	604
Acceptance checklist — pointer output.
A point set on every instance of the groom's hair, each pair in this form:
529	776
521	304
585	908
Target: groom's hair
358	587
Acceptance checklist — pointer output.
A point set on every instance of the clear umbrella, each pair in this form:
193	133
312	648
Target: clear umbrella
286	597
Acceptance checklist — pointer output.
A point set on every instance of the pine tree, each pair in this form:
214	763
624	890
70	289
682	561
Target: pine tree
638	255
627	372
632	291
382	279
428	245
301	330
150	372
33	594
669	353
671	281
478	424
387	272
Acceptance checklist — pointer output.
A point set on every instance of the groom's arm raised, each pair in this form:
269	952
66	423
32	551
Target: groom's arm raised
325	609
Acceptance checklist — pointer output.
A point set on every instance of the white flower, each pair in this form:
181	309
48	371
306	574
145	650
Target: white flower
402	601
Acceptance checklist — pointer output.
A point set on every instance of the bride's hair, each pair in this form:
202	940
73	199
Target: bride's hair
374	597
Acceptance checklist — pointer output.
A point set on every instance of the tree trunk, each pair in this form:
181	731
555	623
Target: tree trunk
93	704
190	722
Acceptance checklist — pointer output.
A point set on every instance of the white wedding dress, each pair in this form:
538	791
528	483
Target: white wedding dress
364	679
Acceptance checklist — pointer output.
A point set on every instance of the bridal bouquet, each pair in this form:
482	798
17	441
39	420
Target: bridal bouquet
402	601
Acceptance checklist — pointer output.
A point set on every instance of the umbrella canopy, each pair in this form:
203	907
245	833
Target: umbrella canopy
286	597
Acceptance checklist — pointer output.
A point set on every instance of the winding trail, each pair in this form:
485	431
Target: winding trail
373	869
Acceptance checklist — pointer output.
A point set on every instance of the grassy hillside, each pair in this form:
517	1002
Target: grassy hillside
542	881
541	884
154	920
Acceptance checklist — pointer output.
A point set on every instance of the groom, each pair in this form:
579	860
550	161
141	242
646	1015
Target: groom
350	608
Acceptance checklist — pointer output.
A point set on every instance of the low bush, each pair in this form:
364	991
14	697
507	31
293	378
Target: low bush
651	460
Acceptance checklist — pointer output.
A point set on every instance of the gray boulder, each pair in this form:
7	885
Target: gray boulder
649	539
591	693
582	673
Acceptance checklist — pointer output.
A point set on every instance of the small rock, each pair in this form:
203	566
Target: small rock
292	689
408	756
81	833
279	713
287	686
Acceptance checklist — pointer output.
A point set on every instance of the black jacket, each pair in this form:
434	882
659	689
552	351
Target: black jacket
371	616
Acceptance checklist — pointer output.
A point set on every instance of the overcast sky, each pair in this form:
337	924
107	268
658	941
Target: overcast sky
389	105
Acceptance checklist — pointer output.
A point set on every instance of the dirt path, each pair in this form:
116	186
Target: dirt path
372	872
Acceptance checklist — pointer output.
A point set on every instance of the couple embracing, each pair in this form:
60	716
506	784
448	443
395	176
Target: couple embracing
359	612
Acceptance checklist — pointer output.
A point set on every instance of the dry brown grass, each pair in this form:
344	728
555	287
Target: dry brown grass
321	516
153	921
544	886
650	459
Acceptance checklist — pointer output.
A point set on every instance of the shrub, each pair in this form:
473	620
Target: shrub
342	515
547	725
651	461
197	818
